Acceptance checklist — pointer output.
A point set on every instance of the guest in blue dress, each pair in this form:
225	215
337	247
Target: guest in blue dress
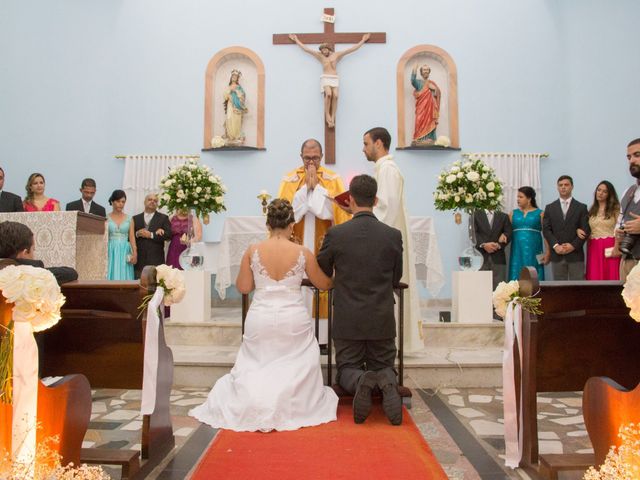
527	241
121	248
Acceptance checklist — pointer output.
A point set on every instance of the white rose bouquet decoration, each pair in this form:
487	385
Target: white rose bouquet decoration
505	292
468	186
36	299
631	293
172	281
192	186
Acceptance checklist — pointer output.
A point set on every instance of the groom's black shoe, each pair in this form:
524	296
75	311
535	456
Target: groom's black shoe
391	401
362	397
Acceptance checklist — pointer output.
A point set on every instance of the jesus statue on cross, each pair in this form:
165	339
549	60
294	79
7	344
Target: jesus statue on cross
329	58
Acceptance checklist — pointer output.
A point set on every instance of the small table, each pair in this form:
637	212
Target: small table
240	232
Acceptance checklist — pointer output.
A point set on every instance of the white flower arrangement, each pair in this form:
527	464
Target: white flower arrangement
192	186
217	142
443	141
631	293
34	293
505	292
621	462
36	299
172	280
468	186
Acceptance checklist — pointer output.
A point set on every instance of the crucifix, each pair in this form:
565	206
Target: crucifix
328	57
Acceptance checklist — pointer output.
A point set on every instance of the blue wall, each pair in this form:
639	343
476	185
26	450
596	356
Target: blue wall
82	81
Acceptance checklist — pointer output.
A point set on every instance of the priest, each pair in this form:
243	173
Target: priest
391	209
310	189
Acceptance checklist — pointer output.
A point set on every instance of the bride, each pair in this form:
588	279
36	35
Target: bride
276	382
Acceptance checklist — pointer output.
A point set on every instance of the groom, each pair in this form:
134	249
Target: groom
366	256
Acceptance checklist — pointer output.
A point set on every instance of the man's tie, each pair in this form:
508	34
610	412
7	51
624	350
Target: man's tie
565	208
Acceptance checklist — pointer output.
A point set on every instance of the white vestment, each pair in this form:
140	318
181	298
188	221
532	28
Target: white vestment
309	205
391	210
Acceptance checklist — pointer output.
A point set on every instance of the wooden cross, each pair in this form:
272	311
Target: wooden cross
331	37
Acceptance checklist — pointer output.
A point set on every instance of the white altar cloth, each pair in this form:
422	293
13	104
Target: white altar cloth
240	232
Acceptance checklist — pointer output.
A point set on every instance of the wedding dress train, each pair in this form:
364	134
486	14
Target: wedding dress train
276	382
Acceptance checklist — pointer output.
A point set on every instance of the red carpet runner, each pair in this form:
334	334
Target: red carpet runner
337	450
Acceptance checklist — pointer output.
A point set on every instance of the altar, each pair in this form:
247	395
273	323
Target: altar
240	232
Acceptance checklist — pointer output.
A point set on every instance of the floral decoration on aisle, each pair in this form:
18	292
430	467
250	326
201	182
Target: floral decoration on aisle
468	186
192	186
36	299
622	462
505	292
172	281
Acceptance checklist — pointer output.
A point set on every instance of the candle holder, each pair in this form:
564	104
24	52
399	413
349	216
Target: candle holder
264	197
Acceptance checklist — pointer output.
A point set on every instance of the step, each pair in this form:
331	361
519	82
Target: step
201	366
225	329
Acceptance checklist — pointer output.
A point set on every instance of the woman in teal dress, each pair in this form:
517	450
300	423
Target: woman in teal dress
527	241
121	251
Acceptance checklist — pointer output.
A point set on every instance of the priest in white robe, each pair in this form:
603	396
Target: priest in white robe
391	210
310	189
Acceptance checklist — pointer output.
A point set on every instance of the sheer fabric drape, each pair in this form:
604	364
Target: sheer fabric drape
142	174
515	170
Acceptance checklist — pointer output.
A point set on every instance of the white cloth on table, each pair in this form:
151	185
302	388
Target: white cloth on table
276	382
240	232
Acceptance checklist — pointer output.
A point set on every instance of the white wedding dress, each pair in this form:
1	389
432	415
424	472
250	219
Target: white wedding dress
276	382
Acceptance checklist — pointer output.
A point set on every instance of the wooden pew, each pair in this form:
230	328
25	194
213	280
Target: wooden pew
63	410
101	335
606	406
585	331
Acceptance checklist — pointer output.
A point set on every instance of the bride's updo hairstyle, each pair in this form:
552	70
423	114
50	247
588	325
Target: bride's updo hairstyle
279	214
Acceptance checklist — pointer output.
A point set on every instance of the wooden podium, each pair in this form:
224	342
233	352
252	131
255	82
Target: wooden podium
68	239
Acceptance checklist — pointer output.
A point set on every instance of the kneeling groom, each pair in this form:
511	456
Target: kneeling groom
366	257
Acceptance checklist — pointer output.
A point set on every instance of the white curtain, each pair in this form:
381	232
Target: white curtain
515	170
142	174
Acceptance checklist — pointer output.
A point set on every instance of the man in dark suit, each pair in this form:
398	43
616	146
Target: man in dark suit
9	202
152	229
86	203
493	234
562	219
366	257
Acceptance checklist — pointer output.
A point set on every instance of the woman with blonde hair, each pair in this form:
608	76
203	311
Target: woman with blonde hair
36	200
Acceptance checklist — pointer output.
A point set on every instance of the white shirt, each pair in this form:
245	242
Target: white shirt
86	206
147	219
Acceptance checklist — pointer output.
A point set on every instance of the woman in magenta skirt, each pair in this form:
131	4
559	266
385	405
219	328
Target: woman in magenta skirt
603	214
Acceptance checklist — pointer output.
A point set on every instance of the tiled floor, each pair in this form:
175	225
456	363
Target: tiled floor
463	427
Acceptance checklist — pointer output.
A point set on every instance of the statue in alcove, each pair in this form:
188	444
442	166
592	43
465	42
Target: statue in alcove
234	109
427	95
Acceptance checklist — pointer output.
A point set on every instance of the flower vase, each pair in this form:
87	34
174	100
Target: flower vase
192	257
470	259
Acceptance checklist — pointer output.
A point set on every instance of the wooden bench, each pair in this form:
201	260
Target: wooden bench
585	331
101	335
129	460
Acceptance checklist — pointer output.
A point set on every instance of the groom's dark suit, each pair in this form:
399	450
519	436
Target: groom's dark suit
366	256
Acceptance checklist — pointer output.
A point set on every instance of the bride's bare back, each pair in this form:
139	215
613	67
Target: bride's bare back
278	256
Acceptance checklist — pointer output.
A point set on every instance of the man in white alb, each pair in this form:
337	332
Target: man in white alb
391	210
